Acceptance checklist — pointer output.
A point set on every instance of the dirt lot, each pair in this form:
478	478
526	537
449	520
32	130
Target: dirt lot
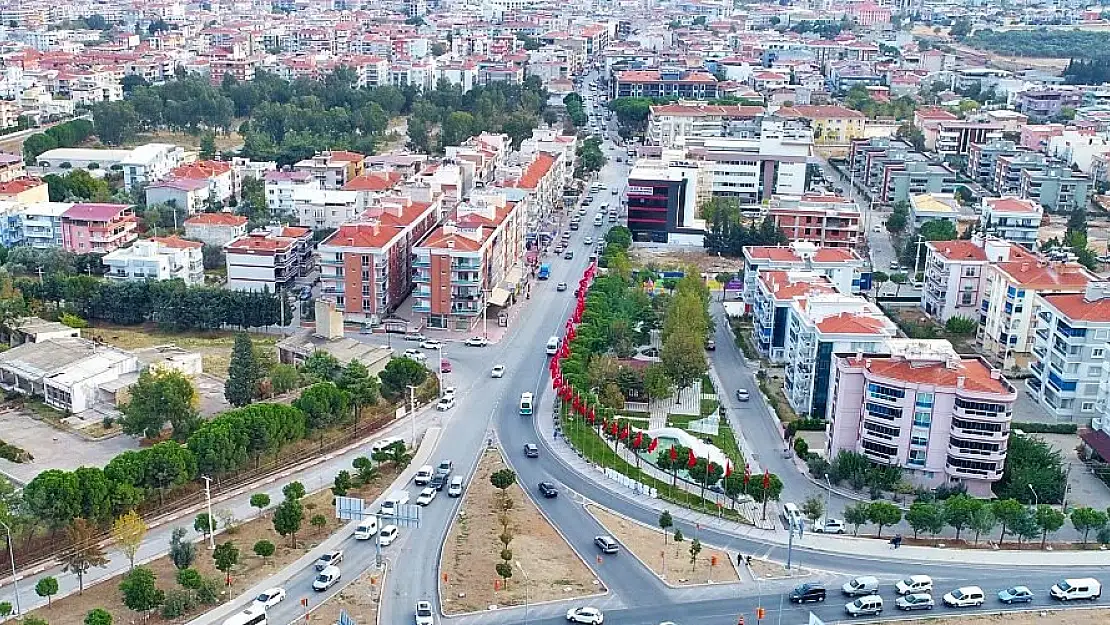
360	600
551	570
646	543
214	347
767	569
669	257
223	142
1047	617
250	570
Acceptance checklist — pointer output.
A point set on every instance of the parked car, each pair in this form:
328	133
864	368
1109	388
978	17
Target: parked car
445	403
915	601
568	255
415	355
829	526
1015	594
415	336
548	490
807	593
531	450
330	558
445	366
606	544
477	341
965	597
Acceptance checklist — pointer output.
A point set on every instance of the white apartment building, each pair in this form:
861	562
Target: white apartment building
755	169
818	327
333	169
280	186
954	272
669	122
216	228
1006	318
1013	219
327	208
157	258
1071	353
42	224
150	163
844	268
776	292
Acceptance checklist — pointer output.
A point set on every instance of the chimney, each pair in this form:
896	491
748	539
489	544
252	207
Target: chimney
960	380
1024	267
450	245
329	321
996	374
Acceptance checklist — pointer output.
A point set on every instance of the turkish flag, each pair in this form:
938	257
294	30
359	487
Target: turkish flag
613	428
639	440
766	479
674	454
626	432
591	416
692	461
554	382
712	466
654	443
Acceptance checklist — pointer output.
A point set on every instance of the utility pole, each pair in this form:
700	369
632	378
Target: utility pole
412	412
15	578
208	500
527	582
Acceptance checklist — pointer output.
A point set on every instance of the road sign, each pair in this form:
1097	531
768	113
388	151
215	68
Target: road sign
344	619
349	508
813	620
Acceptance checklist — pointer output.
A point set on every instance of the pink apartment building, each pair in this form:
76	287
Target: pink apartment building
941	417
98	228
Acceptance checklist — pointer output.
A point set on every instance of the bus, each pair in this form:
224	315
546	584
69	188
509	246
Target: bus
544	273
251	616
525	404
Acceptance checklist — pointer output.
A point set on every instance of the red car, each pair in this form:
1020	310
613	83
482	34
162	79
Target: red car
445	366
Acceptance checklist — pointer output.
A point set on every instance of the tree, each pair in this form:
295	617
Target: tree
503	479
226	556
959	511
128	531
883	514
182	552
53	497
899	279
1032	461
242	372
504	570
856	514
98	616
140	592
189	578
1086	519
897	222
960	326
342	484
115	122
207	146
84	552
260	501
665	523
695	549
960	28
982	521
293	490
1049	520
321	366
318	521
925	516
656	383
367	472
1006	511
612	397
264	549
324	405
398	375
288	517
205	524
47	587
362	389
813	508
1024	525
283	378
683	356
160	395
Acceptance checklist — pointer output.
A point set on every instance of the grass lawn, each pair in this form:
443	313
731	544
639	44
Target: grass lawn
214	347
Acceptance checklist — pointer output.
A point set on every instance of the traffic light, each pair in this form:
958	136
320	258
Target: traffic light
760	613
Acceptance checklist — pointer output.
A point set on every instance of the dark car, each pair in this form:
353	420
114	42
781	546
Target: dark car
807	593
439	480
569	255
548	490
531	451
710	345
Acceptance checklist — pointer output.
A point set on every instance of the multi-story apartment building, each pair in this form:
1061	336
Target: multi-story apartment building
216	228
268	258
367	266
218	176
471	261
982	159
98	228
827	220
1047	103
1058	189
832	125
25	191
942	418
816	329
956	137
688	84
42	224
157	258
148	163
668	122
926	207
1007	171
11	165
1013	219
775	292
1071	347
954	273
281	186
333	169
915	178
756	168
1006	312
844	268
327	208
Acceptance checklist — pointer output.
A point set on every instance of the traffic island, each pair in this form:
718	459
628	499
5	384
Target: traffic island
359	600
540	565
670	562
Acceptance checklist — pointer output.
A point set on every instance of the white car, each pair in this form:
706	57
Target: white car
829	526
270	598
966	597
424	614
415	355
498	372
385	443
330	558
449	392
445	404
426	496
326	578
588	241
477	341
432	344
387	535
588	615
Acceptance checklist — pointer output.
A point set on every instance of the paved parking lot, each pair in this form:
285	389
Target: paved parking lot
53	448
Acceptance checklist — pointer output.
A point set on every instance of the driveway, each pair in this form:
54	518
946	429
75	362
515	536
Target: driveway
1084	488
53	448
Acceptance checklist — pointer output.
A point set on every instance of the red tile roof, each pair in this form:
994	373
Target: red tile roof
958	250
1041	275
19	185
200	169
848	323
347	157
177	242
977	376
1077	308
785	286
821	112
216	219
536	171
261	243
91	211
373	181
1011	204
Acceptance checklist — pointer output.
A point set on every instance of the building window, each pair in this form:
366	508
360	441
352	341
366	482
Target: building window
1097	352
922	419
1088	406
924	400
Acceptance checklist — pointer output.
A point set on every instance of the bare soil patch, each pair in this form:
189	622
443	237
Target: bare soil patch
360	600
250	570
551	569
712	566
768	569
1040	617
214	347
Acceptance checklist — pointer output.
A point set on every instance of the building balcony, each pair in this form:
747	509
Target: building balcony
331	262
422	292
422	307
879	457
982	415
970	473
978	435
976	454
422	277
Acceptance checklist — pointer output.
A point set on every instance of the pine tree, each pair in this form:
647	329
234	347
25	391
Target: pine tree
242	373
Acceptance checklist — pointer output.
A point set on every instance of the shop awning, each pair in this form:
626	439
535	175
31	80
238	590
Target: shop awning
499	297
515	277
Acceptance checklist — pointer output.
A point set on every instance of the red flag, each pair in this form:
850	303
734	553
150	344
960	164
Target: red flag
728	469
626	432
591	417
613	428
692	461
653	444
554	383
674	454
766	479
639	440
747	474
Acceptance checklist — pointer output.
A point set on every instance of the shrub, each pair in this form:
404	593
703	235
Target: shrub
801	447
178	603
189	578
817	465
208	592
1045	428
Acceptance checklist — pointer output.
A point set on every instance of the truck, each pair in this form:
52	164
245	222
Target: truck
393	503
544	273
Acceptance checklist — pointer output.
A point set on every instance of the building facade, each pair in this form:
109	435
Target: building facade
269	259
157	258
98	228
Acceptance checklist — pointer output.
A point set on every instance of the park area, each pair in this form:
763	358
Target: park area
543	566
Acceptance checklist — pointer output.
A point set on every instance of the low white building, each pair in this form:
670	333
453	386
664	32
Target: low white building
280	186
67	373
327	208
158	258
42	224
150	163
215	228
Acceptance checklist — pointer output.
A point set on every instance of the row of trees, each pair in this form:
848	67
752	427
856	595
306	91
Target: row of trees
576	111
1043	43
590	157
729	233
64	135
500	107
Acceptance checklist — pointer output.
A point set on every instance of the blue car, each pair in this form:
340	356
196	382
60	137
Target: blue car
1016	594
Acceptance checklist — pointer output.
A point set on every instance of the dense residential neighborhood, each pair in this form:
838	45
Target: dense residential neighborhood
425	310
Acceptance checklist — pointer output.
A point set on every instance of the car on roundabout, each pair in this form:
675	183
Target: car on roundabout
585	614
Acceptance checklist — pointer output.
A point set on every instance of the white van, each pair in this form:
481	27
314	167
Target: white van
791	514
553	346
395	500
914	583
456	487
251	616
865	606
866	585
326	578
366	528
598	219
423	475
1083	588
525	404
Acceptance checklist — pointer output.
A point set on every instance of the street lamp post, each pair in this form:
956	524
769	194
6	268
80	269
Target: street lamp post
15	578
527	581
828	496
208	503
1036	498
412	412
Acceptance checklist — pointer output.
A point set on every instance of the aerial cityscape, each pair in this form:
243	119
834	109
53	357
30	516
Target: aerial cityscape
506	312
